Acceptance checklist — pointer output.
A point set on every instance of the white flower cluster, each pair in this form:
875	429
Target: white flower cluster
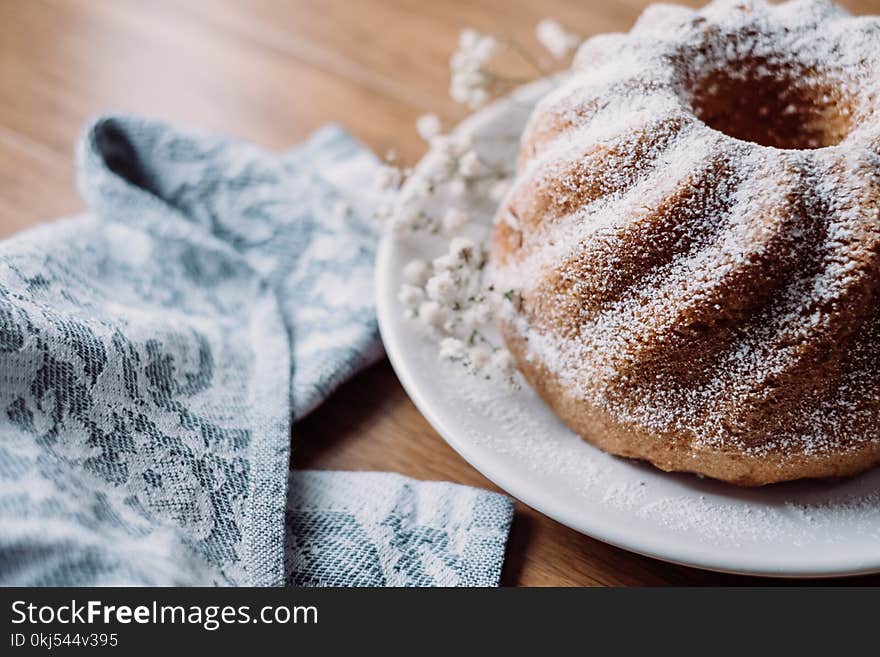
450	298
471	82
556	39
428	127
459	171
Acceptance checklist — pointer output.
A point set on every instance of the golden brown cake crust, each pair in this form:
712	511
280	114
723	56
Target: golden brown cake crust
675	451
693	240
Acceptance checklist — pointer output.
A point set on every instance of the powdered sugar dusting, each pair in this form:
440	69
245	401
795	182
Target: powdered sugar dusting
689	279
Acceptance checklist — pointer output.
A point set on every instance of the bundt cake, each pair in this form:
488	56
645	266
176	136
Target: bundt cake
693	237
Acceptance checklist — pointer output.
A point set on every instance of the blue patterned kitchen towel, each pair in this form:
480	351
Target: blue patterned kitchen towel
381	529
153	356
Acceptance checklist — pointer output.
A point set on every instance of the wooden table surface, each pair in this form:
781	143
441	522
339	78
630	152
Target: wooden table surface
271	72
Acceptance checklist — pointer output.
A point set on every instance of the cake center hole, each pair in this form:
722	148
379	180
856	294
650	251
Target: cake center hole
784	109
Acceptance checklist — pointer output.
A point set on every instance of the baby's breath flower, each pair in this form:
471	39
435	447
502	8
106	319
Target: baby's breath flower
458	188
455	219
421	187
502	362
469	81
469	165
447	160
467	323
471	91
468	39
462	249
485	48
477	47
416	272
446	262
479	356
449	148
442	288
428	126
478	315
452	323
410	295
432	314
404	219
388	177
555	38
442	145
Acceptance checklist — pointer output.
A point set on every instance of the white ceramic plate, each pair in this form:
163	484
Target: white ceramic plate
811	529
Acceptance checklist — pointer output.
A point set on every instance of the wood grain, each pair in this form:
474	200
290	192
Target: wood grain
271	72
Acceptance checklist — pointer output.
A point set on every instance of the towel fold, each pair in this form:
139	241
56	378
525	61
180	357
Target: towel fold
154	354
